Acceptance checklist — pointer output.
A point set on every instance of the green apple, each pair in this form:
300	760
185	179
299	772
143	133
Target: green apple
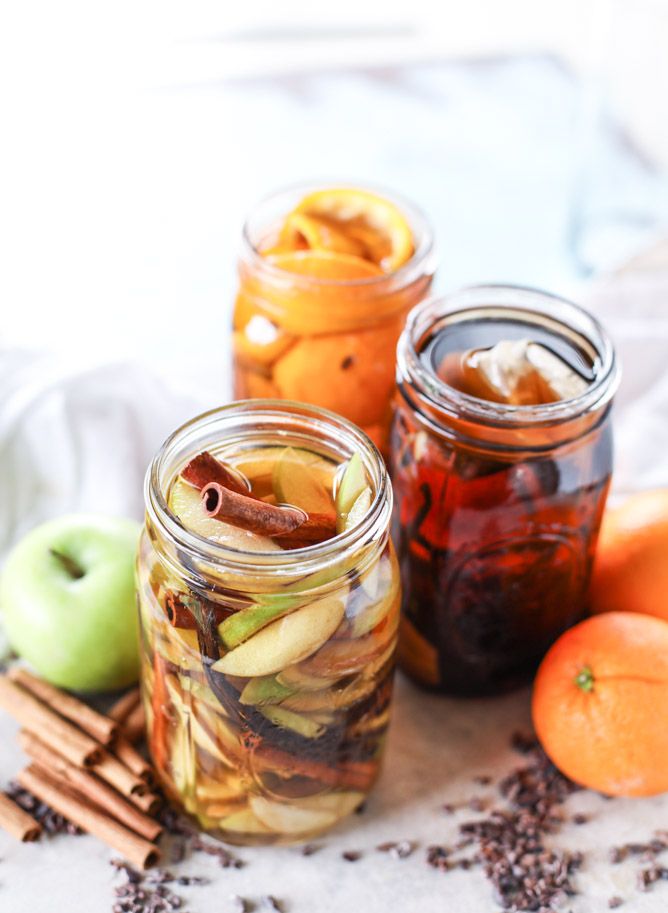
67	598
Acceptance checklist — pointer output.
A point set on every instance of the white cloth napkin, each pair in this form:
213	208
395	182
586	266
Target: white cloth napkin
78	438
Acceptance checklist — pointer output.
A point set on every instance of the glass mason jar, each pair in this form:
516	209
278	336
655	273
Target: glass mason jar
497	507
319	339
306	751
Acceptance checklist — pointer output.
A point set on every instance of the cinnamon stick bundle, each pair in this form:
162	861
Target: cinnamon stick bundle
248	513
100	727
124	706
78	747
95	790
57	793
205	468
17	822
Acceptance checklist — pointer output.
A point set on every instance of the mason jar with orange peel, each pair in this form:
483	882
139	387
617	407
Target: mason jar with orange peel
327	276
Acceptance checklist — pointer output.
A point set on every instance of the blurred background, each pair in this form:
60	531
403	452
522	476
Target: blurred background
138	135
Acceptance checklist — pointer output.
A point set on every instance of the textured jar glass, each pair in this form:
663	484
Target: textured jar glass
252	773
497	507
323	341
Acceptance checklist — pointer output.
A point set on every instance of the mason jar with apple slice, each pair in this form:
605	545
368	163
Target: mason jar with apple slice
269	596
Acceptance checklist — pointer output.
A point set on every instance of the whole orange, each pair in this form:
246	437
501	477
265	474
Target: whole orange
631	565
600	704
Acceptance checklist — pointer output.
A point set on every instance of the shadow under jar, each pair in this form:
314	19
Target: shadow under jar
267	670
316	323
497	506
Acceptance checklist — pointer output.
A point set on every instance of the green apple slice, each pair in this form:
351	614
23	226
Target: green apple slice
243	822
286	641
265	690
185	502
296	483
288	719
237	628
302	816
359	510
352	484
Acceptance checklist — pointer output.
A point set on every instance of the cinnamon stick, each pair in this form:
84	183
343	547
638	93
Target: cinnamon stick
57	793
100	727
205	468
350	774
95	790
17	822
124	706
127	754
249	513
116	774
135	725
181	610
316	528
32	714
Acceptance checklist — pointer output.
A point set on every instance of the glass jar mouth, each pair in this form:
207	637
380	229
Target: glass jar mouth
282	201
504	301
247	416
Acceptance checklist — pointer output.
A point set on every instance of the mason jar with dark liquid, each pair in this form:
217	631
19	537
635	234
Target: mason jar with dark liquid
501	461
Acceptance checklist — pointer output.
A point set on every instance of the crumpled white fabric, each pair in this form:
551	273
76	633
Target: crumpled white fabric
78	437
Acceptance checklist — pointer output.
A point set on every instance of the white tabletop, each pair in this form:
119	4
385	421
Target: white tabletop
436	748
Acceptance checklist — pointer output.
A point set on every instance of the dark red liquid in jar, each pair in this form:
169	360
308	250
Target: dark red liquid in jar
495	533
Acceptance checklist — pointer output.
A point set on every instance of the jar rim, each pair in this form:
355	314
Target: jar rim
261	563
504	300
401	277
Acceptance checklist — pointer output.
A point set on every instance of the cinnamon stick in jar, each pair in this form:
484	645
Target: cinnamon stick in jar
78	747
95	724
205	468
56	792
248	513
95	790
17	822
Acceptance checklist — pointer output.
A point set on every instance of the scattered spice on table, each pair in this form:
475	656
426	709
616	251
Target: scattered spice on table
510	839
51	821
351	855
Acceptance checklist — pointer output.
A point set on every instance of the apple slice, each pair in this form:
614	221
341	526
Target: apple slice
330	698
185	501
294	678
296	483
352	484
243	822
301	816
265	690
286	641
243	624
359	510
200	735
288	719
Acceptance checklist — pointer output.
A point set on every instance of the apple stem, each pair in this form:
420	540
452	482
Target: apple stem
74	569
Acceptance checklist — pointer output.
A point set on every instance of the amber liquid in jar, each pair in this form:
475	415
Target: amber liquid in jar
267	650
496	519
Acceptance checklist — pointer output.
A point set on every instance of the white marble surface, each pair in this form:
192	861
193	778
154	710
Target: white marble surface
435	749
